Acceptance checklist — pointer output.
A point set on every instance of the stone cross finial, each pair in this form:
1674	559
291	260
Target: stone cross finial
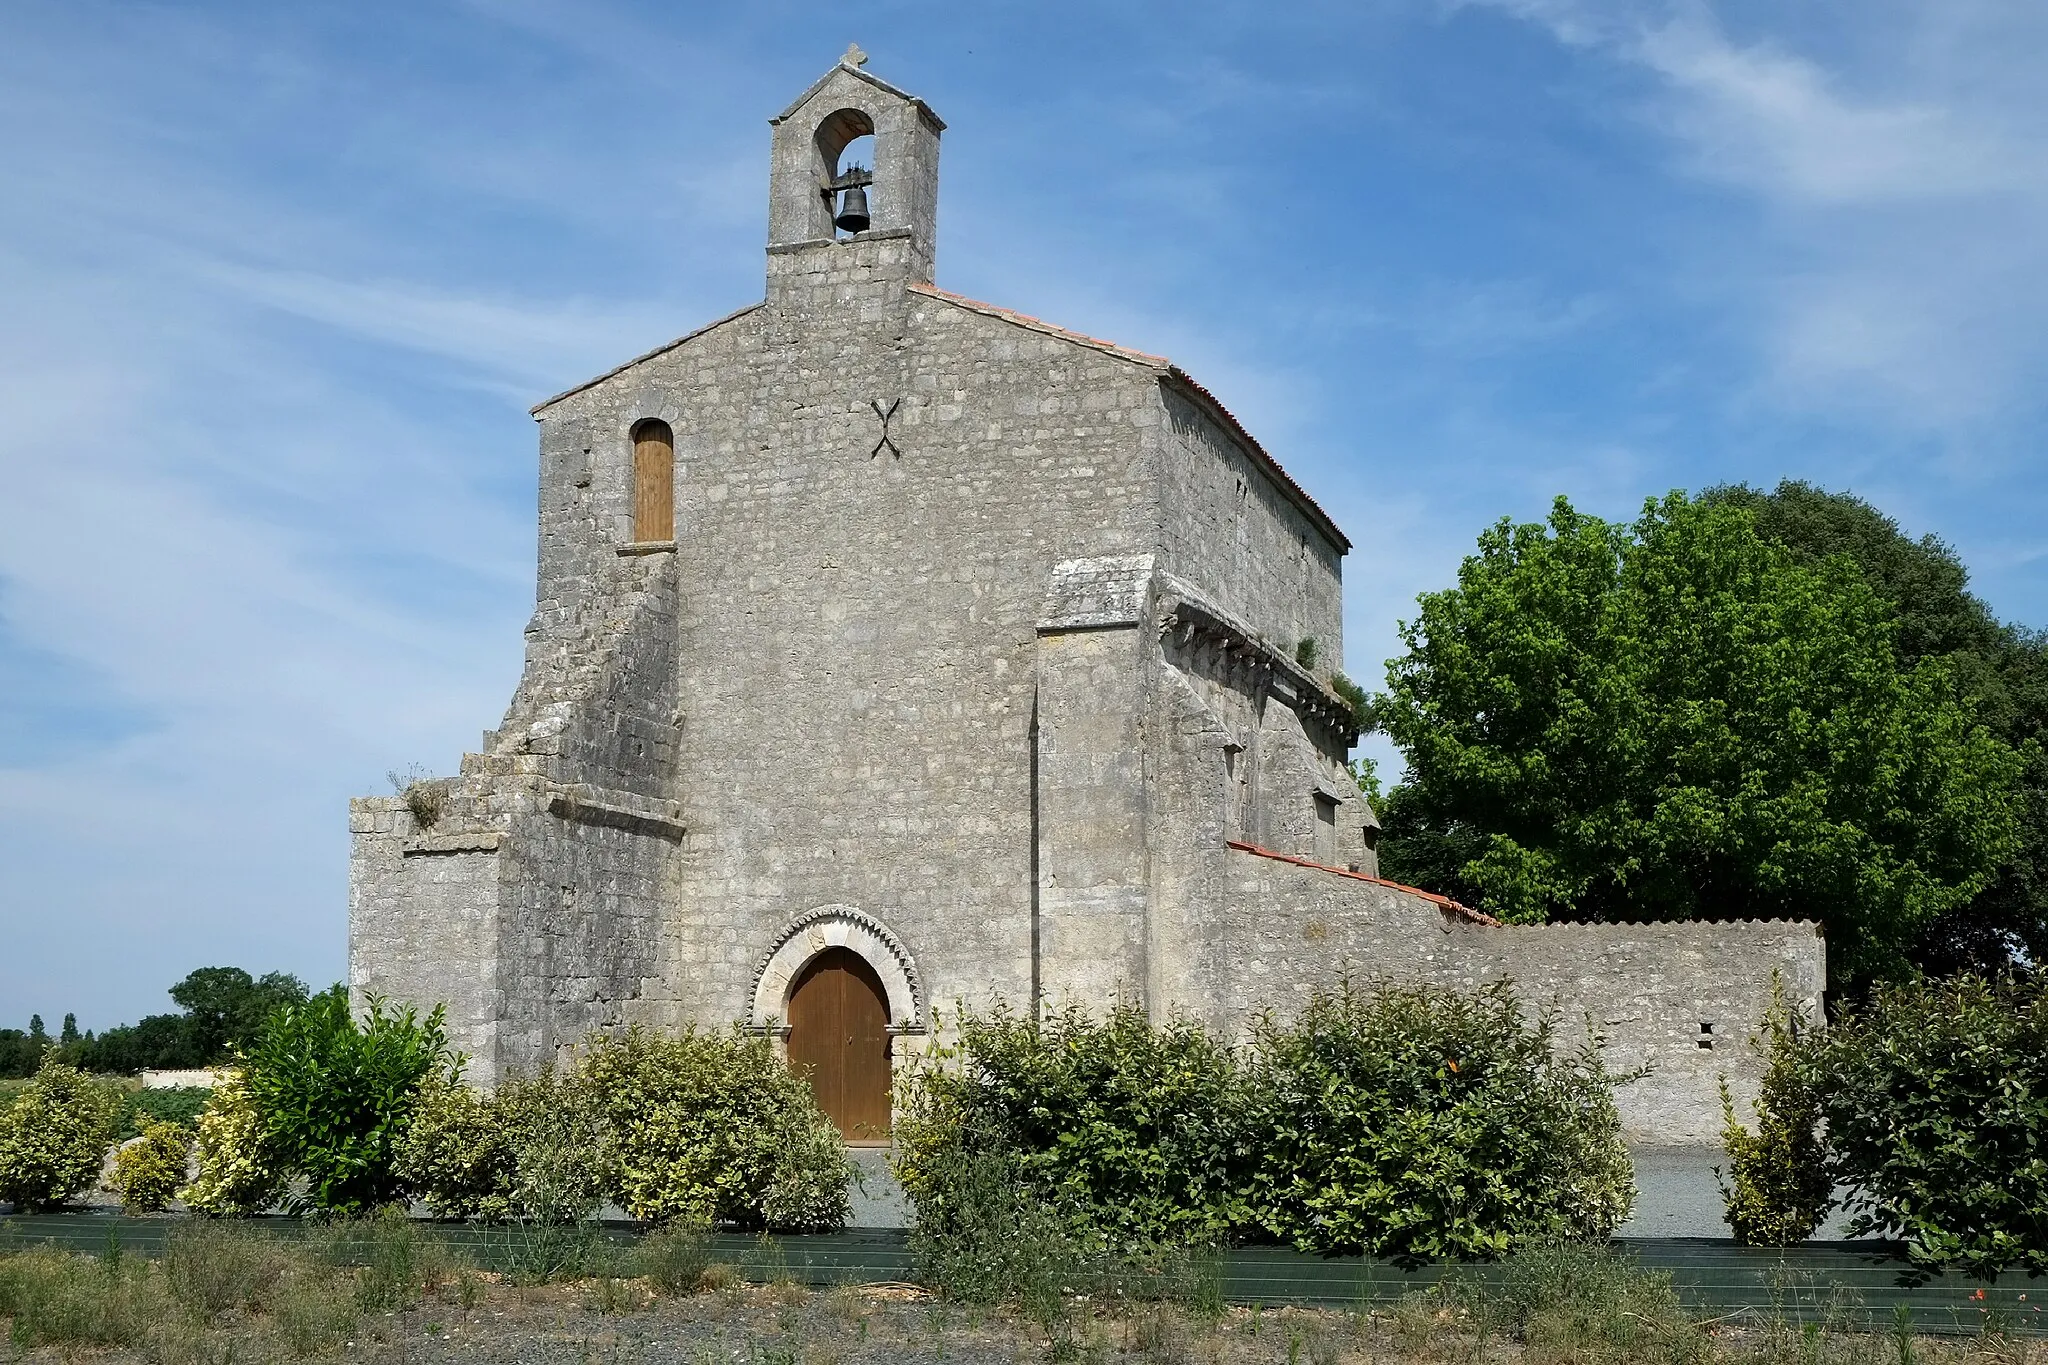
854	56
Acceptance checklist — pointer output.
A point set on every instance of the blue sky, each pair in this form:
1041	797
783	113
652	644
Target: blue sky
279	282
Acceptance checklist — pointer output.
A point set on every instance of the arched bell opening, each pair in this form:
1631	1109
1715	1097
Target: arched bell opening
845	143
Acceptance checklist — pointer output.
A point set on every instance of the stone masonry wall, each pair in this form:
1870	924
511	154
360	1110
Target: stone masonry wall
1681	999
1229	526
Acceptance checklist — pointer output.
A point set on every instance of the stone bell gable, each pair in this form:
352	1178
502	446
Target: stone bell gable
892	650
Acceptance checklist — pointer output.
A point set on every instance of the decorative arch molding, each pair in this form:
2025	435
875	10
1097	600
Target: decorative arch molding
837	926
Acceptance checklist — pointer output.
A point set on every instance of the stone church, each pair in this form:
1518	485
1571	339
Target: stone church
893	650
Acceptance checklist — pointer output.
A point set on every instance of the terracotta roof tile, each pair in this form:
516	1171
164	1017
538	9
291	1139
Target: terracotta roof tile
1442	902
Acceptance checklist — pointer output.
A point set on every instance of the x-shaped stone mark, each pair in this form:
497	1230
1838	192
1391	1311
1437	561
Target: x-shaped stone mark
885	415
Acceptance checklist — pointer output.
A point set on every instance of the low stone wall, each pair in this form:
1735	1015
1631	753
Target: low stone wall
1678	1000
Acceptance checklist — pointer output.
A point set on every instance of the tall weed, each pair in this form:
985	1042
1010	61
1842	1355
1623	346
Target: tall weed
58	1299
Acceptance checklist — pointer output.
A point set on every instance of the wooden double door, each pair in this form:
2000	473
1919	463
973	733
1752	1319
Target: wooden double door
839	1040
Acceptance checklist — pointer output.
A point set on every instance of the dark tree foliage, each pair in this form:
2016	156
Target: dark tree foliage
227	1008
2003	668
224	1010
20	1054
1681	719
156	1040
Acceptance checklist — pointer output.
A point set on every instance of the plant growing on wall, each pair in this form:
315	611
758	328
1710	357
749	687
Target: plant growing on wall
424	795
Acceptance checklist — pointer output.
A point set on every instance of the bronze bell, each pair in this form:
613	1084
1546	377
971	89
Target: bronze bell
853	210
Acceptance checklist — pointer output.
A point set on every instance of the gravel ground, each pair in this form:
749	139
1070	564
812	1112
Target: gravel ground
622	1323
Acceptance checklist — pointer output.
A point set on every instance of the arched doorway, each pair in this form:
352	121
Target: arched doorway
839	1038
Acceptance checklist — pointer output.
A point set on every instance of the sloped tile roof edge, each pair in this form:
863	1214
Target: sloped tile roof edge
1169	371
662	349
1442	902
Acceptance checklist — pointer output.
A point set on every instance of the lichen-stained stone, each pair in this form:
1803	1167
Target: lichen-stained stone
975	652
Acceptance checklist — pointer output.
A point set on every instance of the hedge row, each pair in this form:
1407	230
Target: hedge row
1390	1120
334	1114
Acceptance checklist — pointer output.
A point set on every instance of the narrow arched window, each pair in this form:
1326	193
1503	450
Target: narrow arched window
654	481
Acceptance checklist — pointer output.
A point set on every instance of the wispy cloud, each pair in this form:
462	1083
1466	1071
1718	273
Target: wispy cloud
1901	263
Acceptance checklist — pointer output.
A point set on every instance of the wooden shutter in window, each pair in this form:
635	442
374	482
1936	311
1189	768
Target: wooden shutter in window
654	471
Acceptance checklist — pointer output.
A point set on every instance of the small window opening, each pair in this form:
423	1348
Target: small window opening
654	472
1326	829
1706	1038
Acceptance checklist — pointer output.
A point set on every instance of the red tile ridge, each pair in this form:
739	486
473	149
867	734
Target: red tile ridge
1445	902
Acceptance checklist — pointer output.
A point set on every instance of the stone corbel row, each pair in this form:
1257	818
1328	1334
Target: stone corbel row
1195	620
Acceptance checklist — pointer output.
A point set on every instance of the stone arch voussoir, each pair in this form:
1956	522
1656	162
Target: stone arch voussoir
837	926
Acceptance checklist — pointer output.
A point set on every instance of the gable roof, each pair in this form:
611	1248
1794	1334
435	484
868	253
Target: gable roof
662	349
1170	373
876	81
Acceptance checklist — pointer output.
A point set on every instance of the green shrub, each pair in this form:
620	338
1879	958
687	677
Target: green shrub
1935	1096
1779	1186
149	1169
712	1127
238	1172
529	1151
1418	1121
1134	1131
54	1137
984	1233
335	1094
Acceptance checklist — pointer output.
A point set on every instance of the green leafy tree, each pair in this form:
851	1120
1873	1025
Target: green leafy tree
335	1094
227	1008
156	1040
20	1054
2003	668
1680	720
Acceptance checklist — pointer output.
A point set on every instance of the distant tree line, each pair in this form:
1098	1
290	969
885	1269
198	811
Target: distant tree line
222	1011
1746	704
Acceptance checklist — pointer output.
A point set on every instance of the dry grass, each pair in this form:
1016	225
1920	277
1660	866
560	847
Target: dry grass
227	1293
